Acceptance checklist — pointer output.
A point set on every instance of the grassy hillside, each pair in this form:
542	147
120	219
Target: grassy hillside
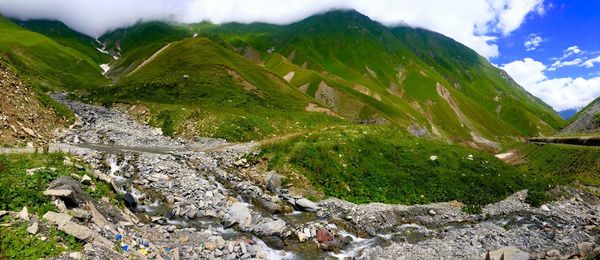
65	36
394	74
138	42
44	62
225	95
378	164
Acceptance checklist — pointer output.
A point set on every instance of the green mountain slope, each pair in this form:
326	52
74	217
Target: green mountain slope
199	86
138	42
415	79
64	35
45	62
410	77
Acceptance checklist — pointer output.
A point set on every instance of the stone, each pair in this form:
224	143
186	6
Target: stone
171	228
272	228
86	179
80	214
307	205
239	214
23	214
210	246
509	252
77	196
170	199
301	236
553	253
28	131
545	208
273	242
58	193
33	228
76	230
130	201
432	212
58	219
76	255
585	247
273	181
323	236
31	172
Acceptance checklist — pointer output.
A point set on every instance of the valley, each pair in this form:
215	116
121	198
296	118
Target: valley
333	137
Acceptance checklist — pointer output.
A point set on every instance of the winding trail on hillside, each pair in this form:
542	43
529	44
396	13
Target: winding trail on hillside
148	60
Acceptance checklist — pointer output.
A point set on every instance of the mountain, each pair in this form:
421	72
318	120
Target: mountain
263	76
586	121
136	43
210	90
65	36
45	62
417	79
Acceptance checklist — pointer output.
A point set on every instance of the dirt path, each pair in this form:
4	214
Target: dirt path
149	59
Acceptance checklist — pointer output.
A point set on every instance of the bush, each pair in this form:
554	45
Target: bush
472	209
536	197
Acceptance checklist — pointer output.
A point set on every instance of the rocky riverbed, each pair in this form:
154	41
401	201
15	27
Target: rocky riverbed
187	200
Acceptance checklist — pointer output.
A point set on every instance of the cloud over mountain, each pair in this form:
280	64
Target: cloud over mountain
475	23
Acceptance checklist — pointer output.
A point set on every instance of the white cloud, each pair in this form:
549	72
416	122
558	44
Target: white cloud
560	93
532	42
560	63
590	62
471	22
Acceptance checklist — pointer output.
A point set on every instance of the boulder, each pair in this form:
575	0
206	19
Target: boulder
273	181
77	196
323	236
307	205
509	252
58	219
272	228
239	214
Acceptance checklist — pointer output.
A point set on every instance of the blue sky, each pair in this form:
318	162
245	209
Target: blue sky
562	25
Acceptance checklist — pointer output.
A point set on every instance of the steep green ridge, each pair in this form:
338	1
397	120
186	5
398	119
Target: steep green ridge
224	94
64	35
138	42
394	74
45	62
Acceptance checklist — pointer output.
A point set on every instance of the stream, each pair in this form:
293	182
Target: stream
194	186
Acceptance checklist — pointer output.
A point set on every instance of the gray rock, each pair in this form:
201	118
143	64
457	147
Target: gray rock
23	214
272	228
553	253
509	252
273	181
307	205
33	228
58	193
239	214
77	196
86	179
